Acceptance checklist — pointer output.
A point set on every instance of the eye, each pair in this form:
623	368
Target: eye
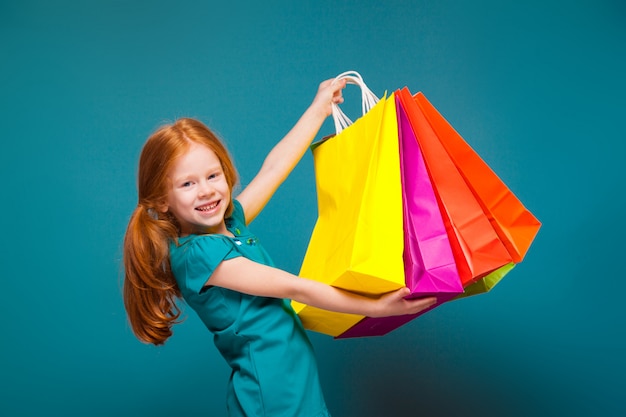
213	176
186	184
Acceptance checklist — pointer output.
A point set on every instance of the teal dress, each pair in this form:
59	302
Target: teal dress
274	372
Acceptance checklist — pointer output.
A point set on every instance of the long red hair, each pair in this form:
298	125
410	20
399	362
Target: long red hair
150	290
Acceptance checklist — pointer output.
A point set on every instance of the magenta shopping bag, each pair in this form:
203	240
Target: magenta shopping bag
429	264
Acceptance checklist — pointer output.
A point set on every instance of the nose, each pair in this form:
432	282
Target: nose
205	189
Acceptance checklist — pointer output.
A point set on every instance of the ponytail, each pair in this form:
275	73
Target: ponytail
150	290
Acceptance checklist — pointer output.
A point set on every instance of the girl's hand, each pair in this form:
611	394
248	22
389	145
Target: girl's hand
394	304
328	93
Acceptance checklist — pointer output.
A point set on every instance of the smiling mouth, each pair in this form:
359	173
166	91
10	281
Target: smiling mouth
208	207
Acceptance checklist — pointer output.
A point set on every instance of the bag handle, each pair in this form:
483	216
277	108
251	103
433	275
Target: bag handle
368	99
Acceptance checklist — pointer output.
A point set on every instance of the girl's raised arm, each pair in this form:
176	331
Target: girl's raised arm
246	276
287	153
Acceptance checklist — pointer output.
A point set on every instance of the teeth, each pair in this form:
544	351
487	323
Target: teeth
207	208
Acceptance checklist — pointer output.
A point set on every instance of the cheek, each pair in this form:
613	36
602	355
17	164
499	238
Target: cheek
226	188
175	200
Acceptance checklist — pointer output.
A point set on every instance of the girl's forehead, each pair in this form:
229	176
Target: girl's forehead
198	151
196	157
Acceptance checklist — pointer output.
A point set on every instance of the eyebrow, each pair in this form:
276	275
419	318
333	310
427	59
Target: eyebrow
186	176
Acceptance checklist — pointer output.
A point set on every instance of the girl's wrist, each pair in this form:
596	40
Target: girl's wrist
320	110
373	307
315	115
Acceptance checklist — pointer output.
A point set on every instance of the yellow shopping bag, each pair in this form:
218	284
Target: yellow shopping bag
357	241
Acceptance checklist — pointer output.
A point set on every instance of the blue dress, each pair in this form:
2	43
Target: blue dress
274	372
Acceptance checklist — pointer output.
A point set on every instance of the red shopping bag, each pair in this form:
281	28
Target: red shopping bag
515	224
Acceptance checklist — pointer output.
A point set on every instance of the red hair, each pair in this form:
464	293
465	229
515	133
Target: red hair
150	289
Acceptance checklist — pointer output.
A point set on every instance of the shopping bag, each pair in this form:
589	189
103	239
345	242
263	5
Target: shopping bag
486	283
357	241
430	267
477	247
429	264
515	224
478	251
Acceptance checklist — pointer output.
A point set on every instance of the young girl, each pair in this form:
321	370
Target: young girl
188	238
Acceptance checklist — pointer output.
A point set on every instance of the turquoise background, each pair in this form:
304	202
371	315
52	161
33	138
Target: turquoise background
536	87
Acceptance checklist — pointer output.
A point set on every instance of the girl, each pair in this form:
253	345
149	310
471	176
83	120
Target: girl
188	238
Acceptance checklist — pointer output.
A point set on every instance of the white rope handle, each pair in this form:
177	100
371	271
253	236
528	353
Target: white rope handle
368	99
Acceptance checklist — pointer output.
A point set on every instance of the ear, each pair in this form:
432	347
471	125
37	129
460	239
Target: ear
163	207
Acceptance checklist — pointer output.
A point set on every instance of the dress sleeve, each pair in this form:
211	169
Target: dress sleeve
238	215
203	255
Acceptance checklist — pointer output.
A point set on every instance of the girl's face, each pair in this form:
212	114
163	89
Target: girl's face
199	195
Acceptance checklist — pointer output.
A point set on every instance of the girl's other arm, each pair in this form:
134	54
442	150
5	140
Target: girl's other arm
287	153
243	275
